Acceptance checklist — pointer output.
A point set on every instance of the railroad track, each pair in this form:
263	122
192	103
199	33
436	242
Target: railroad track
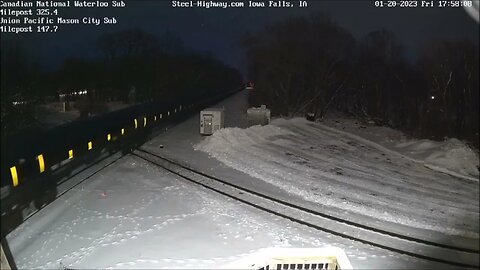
406	245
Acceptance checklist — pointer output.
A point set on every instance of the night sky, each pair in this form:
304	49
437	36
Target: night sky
219	31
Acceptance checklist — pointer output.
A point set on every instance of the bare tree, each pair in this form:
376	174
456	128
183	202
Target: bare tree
451	69
300	64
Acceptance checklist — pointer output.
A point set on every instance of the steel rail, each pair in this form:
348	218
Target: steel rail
154	158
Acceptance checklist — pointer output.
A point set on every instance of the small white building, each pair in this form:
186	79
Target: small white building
211	120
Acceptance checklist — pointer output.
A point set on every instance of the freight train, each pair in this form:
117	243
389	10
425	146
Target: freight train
34	163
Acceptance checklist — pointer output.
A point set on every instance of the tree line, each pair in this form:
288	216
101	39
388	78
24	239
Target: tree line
312	65
156	67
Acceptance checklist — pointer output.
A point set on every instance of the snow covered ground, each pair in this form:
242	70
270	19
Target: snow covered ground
337	170
135	215
450	156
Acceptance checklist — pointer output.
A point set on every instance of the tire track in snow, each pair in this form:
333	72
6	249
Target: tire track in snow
384	149
243	154
440	177
252	198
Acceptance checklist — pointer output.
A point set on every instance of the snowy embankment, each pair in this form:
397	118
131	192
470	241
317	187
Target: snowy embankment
347	172
449	156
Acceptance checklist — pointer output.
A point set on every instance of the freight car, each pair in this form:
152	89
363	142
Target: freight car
34	162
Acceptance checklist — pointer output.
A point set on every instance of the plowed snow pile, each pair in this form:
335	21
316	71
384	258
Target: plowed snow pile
352	174
451	154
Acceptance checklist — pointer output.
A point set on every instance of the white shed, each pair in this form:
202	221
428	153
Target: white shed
211	120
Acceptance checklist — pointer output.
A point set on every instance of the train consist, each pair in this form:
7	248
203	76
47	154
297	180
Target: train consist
33	163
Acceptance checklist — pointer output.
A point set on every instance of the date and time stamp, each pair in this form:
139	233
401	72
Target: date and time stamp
32	16
423	3
305	4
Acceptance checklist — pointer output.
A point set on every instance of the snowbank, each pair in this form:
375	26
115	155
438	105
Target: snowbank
450	154
225	140
378	177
